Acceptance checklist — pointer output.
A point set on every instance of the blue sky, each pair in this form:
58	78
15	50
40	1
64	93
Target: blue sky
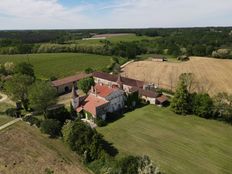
75	14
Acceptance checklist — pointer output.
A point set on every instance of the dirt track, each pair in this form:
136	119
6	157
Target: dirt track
211	75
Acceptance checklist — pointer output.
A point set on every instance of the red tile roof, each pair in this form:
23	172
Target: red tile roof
70	79
91	103
114	78
103	90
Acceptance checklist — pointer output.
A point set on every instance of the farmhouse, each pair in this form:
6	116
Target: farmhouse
101	99
129	85
65	85
109	95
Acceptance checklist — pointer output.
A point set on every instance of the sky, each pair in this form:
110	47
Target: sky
83	14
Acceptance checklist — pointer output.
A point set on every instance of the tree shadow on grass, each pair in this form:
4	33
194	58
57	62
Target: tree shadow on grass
109	148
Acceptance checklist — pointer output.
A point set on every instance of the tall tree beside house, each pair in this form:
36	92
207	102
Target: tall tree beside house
42	95
180	101
85	84
25	68
17	88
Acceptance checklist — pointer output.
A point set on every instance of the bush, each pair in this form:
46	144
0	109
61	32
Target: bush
32	120
88	70
84	140
13	112
51	127
100	122
59	113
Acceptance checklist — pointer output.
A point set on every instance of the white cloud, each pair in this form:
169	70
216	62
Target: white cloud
33	14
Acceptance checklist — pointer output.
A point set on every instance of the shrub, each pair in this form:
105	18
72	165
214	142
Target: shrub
88	70
13	112
58	112
84	140
100	122
51	127
32	120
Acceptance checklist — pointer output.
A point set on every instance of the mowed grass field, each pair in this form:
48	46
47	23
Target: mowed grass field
178	144
59	64
116	39
211	75
25	150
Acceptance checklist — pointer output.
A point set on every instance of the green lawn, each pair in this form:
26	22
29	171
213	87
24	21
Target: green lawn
115	39
4	119
60	64
179	144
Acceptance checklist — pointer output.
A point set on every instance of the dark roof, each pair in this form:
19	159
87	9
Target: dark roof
157	56
114	78
146	93
162	99
70	79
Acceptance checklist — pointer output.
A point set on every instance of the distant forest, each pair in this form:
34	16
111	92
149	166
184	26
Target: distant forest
211	41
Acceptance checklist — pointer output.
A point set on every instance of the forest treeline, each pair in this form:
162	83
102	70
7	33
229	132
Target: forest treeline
215	42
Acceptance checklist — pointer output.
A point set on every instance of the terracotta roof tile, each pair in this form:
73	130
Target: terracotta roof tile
91	103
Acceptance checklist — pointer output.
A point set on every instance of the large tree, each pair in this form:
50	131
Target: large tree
202	105
180	101
82	139
42	95
223	106
85	84
17	88
25	68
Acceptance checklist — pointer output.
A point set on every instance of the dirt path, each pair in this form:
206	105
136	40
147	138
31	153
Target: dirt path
6	99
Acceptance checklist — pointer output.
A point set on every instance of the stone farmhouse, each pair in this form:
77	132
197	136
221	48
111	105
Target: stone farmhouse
65	85
109	95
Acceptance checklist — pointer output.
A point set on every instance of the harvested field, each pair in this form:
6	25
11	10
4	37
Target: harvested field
210	75
111	35
25	150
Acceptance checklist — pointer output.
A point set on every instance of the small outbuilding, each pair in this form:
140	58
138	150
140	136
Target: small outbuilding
65	85
158	58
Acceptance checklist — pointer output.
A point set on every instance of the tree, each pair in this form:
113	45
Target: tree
146	166
73	112
180	101
42	95
223	106
51	127
82	139
25	68
202	105
85	84
9	67
17	88
127	165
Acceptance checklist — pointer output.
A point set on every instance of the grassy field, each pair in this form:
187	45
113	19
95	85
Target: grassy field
60	64
211	75
116	39
4	119
33	152
178	144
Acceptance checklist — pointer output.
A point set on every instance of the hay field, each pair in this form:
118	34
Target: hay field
24	150
210	75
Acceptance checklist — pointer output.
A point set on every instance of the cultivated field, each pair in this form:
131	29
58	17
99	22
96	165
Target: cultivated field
60	64
178	144
25	150
211	75
115	39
